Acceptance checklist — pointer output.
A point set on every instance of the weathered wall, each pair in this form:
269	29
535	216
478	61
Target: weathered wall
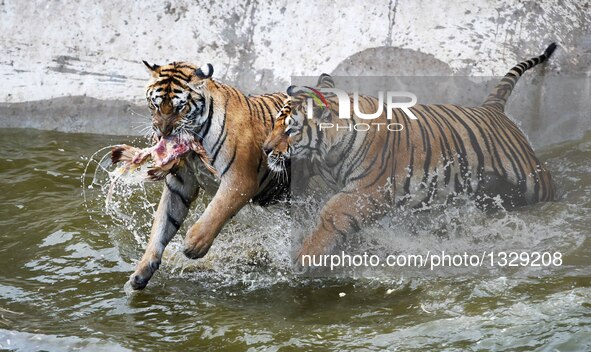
53	49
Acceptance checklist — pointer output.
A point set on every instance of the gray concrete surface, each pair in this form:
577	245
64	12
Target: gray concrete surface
75	66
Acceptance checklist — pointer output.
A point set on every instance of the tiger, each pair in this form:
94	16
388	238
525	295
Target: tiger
448	150
186	101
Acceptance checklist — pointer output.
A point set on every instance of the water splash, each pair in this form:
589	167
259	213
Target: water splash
125	200
254	250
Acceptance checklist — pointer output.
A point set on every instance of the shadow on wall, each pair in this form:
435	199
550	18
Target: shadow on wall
391	61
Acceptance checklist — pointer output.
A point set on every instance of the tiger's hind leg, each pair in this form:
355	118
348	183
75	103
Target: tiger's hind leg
494	186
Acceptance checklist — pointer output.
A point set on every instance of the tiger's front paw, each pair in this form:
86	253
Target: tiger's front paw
143	273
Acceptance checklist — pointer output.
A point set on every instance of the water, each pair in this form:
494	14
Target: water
64	261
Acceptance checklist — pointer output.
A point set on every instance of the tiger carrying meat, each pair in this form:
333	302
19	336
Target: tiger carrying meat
448	150
166	154
208	136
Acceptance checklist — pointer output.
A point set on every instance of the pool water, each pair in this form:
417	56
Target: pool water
65	256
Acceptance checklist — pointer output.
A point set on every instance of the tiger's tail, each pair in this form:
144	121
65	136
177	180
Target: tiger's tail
498	97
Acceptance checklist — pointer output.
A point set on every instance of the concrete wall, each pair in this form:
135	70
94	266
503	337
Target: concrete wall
92	48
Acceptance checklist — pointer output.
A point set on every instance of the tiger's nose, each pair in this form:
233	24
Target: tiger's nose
267	150
164	129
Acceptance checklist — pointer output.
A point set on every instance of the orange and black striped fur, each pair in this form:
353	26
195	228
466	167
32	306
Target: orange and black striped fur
448	150
231	127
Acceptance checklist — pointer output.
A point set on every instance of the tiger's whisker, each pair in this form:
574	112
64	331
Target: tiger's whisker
138	114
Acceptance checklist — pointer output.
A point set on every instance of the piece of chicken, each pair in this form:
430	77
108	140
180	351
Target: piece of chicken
163	156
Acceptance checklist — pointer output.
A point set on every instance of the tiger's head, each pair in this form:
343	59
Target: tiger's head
177	98
294	135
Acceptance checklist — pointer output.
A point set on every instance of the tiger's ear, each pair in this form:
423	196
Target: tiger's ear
205	71
153	69
297	93
291	90
325	81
